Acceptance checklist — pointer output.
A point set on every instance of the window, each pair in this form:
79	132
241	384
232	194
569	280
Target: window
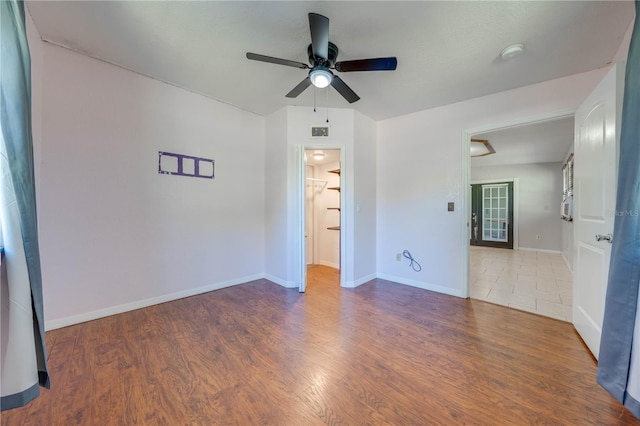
495	201
566	209
567	178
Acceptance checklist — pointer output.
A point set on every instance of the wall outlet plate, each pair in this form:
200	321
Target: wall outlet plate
320	131
450	206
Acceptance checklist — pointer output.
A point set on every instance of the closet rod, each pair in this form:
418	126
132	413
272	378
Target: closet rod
324	182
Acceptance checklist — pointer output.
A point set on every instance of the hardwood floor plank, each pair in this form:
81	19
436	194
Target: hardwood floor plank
332	402
260	354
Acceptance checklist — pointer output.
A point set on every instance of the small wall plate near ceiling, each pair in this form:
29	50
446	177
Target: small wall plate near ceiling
480	148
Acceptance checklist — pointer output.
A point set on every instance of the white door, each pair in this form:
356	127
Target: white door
300	248
595	165
310	186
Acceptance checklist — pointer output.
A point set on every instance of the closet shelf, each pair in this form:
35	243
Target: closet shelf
335	188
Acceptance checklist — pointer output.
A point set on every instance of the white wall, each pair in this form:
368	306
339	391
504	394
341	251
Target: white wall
275	189
539	197
35	52
423	164
299	123
364	182
115	234
355	135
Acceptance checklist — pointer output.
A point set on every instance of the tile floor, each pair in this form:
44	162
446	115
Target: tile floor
531	281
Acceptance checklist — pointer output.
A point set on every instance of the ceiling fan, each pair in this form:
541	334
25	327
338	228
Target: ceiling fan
322	57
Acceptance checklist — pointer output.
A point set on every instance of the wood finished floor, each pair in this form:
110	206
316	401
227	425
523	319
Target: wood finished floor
382	353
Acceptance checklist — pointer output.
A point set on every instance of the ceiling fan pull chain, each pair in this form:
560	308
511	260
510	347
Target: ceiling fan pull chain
314	98
327	104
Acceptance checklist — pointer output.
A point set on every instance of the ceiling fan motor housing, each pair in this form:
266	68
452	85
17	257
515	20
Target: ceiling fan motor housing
327	62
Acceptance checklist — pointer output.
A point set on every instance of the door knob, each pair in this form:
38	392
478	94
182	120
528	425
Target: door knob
608	237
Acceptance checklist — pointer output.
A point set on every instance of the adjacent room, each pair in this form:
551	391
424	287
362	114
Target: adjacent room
520	261
258	212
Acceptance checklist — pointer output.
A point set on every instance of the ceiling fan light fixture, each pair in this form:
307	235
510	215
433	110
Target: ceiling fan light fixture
320	77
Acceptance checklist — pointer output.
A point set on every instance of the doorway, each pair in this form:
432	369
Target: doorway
322	217
516	200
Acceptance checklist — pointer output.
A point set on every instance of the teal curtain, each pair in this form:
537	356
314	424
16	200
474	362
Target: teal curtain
24	372
619	358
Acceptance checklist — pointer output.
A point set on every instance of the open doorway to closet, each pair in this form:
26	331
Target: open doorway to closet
322	218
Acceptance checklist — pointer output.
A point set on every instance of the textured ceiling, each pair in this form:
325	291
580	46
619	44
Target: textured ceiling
543	142
447	51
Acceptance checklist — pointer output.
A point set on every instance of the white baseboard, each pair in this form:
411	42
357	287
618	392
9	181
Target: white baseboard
540	250
423	285
360	281
279	281
125	307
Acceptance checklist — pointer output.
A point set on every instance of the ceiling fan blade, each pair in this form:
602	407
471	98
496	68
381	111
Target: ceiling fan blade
376	64
278	61
299	88
319	26
344	90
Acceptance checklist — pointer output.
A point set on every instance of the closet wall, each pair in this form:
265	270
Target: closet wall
326	215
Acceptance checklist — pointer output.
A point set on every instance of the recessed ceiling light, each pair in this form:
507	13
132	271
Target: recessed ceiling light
511	51
480	148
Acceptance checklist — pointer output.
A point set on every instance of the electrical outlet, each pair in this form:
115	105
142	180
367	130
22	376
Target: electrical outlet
398	257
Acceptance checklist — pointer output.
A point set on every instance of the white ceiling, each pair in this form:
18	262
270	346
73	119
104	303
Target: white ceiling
542	142
447	51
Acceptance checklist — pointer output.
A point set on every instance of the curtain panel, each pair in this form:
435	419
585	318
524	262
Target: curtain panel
619	358
23	352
